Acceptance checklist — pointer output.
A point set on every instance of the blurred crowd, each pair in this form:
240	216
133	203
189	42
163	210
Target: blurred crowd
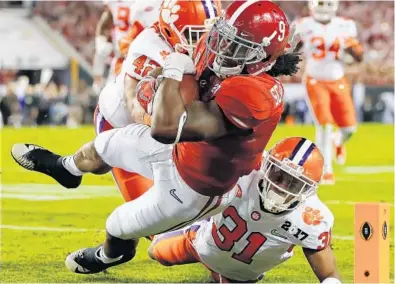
23	103
374	19
76	20
27	102
375	25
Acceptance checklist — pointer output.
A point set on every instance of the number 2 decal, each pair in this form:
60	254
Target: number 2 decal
230	237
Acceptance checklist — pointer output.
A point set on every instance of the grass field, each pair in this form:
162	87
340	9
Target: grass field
42	222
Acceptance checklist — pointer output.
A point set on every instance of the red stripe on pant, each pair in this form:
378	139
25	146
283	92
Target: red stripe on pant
131	185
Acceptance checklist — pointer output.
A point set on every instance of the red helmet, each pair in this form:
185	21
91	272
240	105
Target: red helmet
291	172
252	34
182	22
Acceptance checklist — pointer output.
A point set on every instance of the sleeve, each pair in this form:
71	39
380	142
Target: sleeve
351	40
245	101
298	27
351	29
318	224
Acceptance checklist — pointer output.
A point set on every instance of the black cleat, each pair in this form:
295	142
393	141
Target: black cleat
87	261
36	158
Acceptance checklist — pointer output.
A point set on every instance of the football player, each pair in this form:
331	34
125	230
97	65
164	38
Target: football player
326	38
118	105
126	19
276	209
194	153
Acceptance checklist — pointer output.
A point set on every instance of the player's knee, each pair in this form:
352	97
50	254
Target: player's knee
114	226
87	159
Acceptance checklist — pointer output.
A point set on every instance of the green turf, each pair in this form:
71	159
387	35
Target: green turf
38	256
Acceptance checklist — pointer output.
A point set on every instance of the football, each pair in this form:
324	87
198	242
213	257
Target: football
189	91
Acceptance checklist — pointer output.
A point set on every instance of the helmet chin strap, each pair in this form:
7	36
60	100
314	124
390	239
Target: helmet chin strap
221	71
272	202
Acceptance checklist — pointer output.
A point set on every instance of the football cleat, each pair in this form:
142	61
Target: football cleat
36	158
88	261
328	179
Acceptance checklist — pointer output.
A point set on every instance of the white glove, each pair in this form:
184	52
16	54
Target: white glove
176	65
102	46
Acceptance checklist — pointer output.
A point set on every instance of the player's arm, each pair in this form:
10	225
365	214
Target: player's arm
352	45
104	23
136	111
103	48
323	263
173	121
355	50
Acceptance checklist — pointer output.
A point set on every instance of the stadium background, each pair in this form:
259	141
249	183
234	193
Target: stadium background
46	51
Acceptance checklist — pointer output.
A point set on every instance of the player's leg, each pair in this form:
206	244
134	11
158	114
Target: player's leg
131	185
66	170
319	104
169	205
175	248
343	110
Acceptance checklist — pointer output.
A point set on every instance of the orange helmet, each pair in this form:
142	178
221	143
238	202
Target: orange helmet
291	171
182	22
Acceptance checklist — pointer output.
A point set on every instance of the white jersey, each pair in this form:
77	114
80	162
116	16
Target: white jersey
146	53
126	13
145	13
243	242
324	45
120	11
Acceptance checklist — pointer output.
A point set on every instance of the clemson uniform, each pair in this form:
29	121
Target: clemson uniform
243	241
146	52
328	90
129	19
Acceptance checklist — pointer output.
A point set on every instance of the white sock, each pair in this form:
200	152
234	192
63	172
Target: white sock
105	259
69	164
327	148
346	133
319	133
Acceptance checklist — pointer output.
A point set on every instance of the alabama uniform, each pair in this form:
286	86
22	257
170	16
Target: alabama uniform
244	242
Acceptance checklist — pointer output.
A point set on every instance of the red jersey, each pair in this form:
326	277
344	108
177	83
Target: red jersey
249	102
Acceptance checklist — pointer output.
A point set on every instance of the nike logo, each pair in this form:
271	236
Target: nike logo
274	232
173	193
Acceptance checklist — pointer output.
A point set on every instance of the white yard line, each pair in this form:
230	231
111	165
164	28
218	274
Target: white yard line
345	202
362	170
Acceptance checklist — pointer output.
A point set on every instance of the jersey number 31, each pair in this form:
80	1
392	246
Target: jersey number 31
230	237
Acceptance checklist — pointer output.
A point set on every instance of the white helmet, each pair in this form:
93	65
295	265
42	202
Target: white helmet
323	10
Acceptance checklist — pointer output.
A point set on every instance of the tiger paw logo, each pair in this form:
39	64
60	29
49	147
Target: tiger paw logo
312	217
169	11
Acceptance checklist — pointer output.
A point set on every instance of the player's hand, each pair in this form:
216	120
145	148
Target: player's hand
176	65
145	91
102	46
156	72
